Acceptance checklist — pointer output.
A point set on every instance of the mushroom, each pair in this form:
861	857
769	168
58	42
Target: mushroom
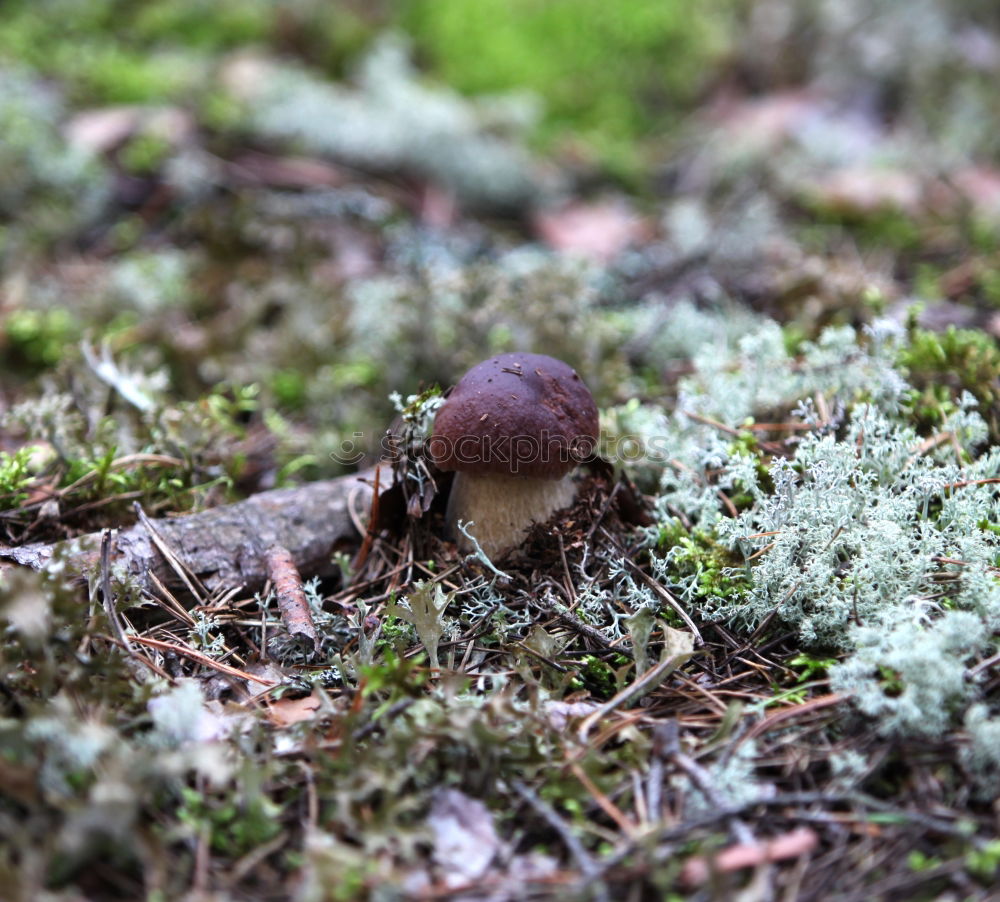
513	430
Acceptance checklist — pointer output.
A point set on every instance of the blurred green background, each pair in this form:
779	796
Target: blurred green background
606	73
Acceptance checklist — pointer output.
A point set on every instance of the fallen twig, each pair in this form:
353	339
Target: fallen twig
581	856
547	605
793	844
203	659
292	603
369	532
666	744
189	579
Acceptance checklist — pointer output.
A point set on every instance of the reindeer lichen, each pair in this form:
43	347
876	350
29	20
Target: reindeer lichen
50	187
391	122
865	537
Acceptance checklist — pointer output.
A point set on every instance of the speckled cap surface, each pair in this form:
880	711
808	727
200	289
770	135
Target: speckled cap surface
519	415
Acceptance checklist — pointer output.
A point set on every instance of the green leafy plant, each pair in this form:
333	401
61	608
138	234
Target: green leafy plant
424	609
15	475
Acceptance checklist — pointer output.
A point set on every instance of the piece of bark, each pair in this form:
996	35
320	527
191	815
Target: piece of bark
225	546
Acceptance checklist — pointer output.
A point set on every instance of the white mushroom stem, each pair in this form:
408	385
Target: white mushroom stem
503	508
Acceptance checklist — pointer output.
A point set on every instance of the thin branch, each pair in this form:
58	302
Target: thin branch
583	858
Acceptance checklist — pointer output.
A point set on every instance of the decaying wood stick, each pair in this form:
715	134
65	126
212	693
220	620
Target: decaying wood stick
292	603
224	546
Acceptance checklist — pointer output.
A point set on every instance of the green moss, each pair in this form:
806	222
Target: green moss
77	43
233	825
699	562
15	474
597	676
984	861
104	72
614	72
943	365
91	454
114	51
794	336
878	229
219	111
37	339
810	667
289	387
145	153
209	26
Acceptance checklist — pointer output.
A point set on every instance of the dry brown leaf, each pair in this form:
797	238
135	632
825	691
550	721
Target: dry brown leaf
980	185
102	130
863	190
286	711
764	123
594	231
285	172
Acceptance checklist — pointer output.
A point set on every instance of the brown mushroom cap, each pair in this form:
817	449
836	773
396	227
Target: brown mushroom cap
516	415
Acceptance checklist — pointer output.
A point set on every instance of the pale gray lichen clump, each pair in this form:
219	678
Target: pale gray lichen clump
50	186
908	671
868	538
852	528
982	755
392	122
733	779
